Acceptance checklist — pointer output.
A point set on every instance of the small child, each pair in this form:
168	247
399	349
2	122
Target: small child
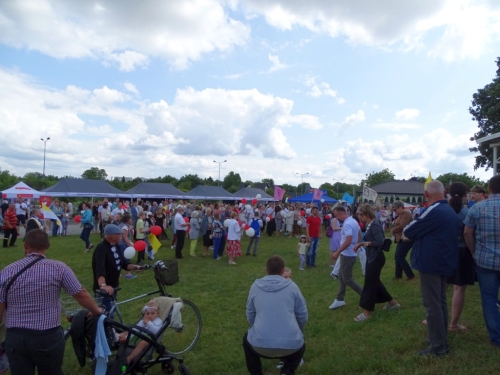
301	251
150	321
287	274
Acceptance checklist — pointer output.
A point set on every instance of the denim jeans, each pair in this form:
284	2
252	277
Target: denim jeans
255	241
85	236
311	252
489	283
28	349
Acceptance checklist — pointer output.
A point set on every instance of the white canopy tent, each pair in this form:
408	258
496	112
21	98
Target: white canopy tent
21	190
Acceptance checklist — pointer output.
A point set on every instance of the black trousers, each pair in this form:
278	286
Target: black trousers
181	235
28	349
402	264
12	233
373	290
254	366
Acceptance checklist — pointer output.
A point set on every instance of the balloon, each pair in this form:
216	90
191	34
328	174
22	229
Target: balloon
268	219
254	201
244	200
258	196
308	211
186	219
247	227
302	213
156	230
5	195
78	218
283	213
248	207
322	200
129	252
299	222
327	217
140	245
250	232
226	222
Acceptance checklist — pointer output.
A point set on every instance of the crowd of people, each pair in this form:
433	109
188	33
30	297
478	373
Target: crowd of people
453	241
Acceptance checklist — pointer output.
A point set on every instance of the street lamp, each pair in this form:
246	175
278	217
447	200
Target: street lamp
219	162
337	183
44	150
302	175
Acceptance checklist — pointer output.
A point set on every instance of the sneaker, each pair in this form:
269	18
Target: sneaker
172	247
337	304
130	276
335	277
280	364
301	362
301	269
436	352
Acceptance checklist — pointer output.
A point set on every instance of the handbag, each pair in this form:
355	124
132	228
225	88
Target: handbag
386	246
329	231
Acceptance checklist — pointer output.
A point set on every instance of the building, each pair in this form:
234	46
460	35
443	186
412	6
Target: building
410	191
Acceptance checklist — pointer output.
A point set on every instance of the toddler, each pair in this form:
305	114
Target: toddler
301	251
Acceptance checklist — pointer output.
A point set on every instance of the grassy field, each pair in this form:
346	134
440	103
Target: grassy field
385	344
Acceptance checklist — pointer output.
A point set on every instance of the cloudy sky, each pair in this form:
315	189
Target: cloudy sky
333	88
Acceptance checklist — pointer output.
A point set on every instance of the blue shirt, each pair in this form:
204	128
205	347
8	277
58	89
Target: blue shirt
484	218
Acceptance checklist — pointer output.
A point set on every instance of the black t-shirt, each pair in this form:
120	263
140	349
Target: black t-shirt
108	261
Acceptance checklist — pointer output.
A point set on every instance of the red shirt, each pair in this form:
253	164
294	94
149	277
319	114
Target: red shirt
314	223
9	217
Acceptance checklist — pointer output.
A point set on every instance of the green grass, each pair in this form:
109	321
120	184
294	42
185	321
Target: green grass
385	344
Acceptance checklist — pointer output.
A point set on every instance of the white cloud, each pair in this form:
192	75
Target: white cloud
317	90
125	32
354	119
407	114
131	87
277	65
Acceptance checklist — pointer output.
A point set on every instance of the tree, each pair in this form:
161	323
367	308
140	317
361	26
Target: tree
379	177
232	182
486	111
7	180
95	173
268	181
189	182
470	181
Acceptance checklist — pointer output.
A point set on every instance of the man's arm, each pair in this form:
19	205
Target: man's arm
86	301
344	245
470	239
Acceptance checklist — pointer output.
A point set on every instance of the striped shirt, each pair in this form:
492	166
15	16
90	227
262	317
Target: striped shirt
9	217
484	218
33	299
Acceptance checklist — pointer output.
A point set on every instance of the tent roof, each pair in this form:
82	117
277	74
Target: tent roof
309	198
21	189
155	190
79	187
252	193
209	192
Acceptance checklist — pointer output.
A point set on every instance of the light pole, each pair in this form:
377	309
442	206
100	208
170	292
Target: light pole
44	150
302	175
337	183
219	162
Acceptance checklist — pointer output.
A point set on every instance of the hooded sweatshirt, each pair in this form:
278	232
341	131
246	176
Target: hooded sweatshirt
277	313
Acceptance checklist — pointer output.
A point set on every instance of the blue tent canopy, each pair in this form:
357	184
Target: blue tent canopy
307	198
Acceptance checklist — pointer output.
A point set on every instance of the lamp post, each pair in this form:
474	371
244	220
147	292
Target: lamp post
44	150
302	175
337	183
219	162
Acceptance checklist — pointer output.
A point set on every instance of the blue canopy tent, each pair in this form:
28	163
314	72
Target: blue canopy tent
307	198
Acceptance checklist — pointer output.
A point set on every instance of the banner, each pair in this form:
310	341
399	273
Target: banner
48	214
45	200
369	194
317	194
279	193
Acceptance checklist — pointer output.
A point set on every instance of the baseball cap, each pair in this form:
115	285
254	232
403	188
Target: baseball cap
112	229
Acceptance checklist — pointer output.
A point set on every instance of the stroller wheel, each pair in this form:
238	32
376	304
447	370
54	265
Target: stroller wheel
183	369
168	368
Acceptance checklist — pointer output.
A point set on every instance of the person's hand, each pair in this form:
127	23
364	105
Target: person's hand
109	289
308	239
91	315
122	337
137	267
335	255
319	236
357	246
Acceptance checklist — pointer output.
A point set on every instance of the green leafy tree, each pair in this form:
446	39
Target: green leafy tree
290	189
232	182
248	183
165	180
485	110
189	182
329	188
379	177
95	173
470	181
7	180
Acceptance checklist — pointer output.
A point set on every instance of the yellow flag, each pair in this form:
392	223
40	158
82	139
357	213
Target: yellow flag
154	242
429	179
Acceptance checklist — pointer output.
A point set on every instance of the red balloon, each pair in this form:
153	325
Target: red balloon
4	195
244	201
327	217
186	219
140	245
247	227
78	218
302	213
156	230
254	201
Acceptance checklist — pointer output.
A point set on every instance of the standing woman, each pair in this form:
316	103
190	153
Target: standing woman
218	233
334	243
65	219
126	227
278	220
194	232
160	220
87	225
464	275
58	211
403	218
206	230
233	238
373	290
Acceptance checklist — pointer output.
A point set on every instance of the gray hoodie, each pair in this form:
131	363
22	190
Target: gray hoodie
277	313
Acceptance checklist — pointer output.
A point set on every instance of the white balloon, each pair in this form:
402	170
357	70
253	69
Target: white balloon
322	201
283	213
226	222
129	252
268	219
299	222
308	211
250	232
258	196
248	207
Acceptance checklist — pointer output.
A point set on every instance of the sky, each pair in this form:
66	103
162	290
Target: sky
278	88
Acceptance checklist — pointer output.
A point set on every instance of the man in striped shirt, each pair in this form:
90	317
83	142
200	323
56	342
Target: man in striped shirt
9	226
33	316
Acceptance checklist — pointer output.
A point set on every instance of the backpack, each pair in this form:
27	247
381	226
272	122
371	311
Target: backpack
256	226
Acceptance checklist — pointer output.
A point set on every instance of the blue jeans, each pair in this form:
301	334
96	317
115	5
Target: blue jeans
311	252
85	236
55	228
489	283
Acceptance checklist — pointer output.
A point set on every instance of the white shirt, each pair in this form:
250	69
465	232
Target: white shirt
178	221
117	211
21	209
233	230
350	228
